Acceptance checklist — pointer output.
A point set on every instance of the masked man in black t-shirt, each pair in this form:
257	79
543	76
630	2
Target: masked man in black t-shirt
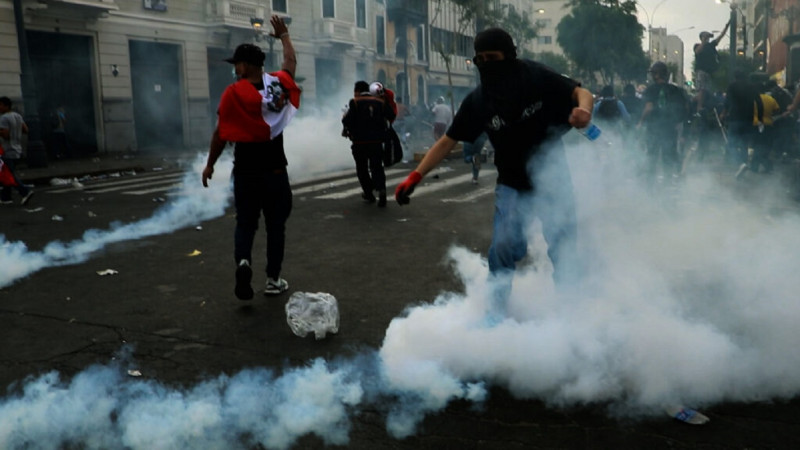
525	108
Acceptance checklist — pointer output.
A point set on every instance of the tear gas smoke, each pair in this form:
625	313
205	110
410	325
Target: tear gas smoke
192	205
688	300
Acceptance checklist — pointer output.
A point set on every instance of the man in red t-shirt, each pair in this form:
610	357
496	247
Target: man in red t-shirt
253	113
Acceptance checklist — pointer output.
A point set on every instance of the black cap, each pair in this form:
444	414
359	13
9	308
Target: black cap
495	39
361	86
705	33
247	53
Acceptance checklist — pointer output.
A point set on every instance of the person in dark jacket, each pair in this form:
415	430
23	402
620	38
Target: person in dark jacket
739	101
366	124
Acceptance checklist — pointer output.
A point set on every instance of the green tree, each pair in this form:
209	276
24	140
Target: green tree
474	15
721	78
603	37
557	62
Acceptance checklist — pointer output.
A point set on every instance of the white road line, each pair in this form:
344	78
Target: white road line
442	183
136	179
147	184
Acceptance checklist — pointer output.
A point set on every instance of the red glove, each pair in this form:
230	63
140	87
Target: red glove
404	189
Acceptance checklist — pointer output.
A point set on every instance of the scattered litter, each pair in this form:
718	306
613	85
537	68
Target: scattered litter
687	415
91	214
199	228
402	220
115	175
157	169
76	184
103	273
159	199
33	210
69	298
317	313
134	373
57	218
195	253
59	182
129	172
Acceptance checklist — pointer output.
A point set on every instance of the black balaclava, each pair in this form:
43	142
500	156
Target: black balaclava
499	79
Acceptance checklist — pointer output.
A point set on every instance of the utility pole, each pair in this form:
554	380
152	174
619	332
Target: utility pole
37	156
732	27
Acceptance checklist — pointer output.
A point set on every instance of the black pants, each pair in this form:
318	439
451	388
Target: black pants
762	148
369	166
662	143
256	194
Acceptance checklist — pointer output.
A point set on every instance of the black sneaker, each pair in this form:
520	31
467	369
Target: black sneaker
368	198
381	199
244	274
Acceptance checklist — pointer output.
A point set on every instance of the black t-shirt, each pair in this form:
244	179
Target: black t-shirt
257	157
548	103
707	59
670	105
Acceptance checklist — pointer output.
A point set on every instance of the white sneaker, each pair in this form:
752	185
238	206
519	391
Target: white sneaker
275	287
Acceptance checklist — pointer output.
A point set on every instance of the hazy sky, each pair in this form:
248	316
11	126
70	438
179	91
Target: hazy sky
679	15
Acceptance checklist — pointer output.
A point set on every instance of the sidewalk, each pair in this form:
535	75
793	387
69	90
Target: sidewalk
99	164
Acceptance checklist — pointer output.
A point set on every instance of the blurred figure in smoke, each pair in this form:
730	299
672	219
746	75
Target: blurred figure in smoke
367	124
12	127
253	113
61	147
666	108
442	115
609	111
524	108
706	62
738	113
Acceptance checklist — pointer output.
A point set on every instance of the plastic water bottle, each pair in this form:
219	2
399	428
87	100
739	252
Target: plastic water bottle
591	131
316	313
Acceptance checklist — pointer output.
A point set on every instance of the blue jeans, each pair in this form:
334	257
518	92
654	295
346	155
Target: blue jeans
513	214
472	149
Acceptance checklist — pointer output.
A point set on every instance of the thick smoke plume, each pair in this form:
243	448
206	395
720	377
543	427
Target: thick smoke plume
688	300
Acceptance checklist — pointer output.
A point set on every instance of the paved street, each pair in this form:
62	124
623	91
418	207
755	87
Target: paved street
171	305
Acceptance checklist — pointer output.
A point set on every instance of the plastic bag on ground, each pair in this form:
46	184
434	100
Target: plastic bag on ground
312	312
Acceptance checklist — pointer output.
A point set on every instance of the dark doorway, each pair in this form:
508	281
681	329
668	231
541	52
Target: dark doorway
220	76
329	82
63	75
155	80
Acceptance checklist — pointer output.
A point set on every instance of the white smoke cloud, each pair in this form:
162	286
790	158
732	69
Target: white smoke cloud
688	300
103	408
192	205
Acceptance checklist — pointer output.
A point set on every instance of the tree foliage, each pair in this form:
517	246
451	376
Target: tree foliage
557	62
604	37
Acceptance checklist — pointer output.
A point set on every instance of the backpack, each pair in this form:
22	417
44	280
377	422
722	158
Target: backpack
608	110
672	104
392	148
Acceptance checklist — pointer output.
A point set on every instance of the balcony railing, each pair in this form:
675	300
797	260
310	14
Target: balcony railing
235	13
333	30
411	10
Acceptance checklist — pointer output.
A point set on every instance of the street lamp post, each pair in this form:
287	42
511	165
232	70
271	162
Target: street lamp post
37	156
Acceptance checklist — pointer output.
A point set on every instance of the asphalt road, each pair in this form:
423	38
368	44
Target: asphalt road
172	301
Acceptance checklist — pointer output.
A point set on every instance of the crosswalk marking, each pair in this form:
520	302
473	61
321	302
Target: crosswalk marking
334	186
117	184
